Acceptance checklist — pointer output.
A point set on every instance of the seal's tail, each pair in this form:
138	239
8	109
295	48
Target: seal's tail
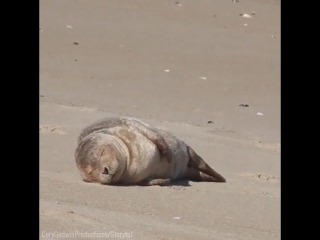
198	163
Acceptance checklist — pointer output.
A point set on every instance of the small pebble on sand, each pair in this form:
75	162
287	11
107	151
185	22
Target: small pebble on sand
246	15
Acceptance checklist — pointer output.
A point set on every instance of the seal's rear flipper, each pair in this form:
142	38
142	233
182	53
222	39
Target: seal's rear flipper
152	182
196	162
195	175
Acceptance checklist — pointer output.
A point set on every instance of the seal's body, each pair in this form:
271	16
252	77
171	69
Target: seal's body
124	155
128	122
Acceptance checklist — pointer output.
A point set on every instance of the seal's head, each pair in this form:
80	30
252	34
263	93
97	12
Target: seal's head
101	158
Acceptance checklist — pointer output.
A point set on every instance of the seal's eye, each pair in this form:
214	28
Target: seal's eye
105	171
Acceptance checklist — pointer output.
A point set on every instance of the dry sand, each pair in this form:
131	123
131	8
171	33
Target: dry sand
118	68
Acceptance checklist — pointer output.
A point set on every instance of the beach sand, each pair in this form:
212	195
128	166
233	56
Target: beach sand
185	66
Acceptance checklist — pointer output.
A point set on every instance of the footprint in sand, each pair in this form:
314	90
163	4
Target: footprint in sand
83	109
69	215
260	176
51	129
272	147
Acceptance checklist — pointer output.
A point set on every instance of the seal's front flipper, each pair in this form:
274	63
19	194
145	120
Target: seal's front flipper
158	140
153	182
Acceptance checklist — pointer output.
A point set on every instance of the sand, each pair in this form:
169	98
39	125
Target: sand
183	66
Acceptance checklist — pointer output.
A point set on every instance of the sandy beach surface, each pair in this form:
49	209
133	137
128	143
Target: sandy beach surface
183	65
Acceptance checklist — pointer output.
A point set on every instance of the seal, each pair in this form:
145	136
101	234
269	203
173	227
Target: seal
127	122
122	155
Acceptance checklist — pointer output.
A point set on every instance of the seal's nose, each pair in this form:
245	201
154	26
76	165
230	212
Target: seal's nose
105	171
